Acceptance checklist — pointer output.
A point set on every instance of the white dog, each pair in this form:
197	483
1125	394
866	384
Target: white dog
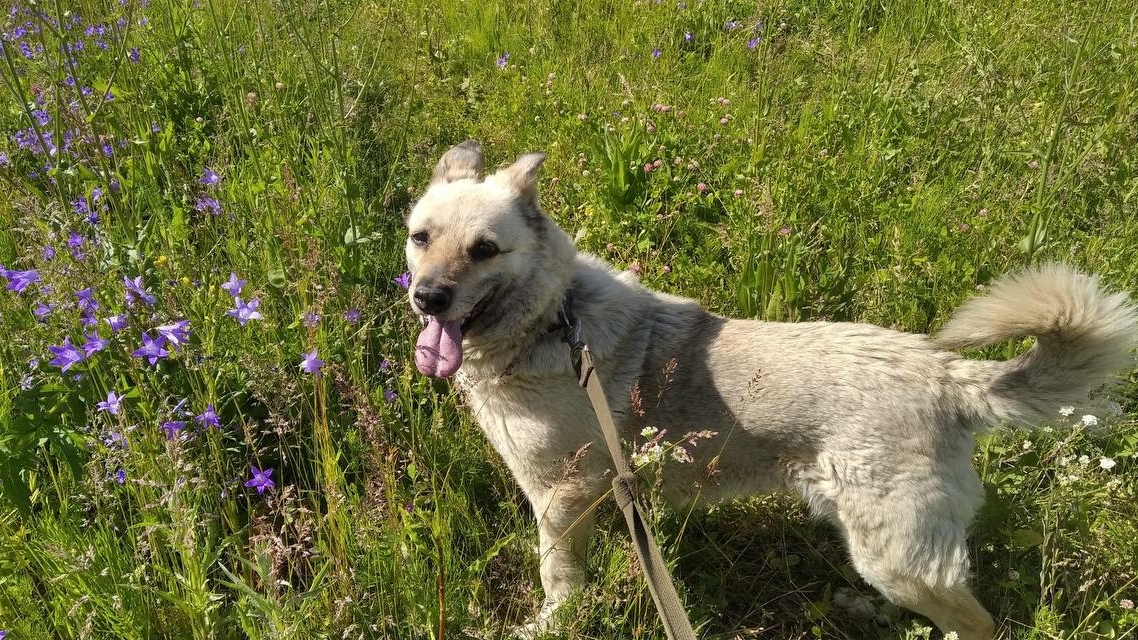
872	426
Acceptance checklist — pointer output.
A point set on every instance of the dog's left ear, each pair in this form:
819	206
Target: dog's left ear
461	162
521	177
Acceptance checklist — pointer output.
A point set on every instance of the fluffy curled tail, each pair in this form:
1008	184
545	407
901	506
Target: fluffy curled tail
1083	336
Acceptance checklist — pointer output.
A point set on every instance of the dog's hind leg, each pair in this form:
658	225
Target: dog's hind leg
910	544
951	608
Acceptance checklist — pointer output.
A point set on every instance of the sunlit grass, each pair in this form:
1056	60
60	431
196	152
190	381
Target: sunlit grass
797	160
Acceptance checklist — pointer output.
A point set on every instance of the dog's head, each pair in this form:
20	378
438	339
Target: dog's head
485	262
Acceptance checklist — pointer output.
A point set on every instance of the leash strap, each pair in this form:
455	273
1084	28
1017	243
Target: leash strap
675	619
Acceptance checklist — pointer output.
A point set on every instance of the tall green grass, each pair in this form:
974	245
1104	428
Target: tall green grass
791	160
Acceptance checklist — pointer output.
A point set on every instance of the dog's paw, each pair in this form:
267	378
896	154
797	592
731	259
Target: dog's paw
540	625
532	630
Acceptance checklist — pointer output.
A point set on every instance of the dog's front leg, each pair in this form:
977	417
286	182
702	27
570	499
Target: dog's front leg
565	519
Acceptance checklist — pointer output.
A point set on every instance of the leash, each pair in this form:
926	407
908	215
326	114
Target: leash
675	619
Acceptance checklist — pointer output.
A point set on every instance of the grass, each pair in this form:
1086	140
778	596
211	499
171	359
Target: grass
848	161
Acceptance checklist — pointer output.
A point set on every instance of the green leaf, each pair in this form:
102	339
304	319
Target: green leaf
277	278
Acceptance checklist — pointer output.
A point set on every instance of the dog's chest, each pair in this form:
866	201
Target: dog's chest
532	424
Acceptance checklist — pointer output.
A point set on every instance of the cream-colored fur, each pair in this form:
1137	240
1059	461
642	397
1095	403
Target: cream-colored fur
873	427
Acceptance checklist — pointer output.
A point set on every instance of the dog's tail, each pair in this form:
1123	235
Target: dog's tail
1083	336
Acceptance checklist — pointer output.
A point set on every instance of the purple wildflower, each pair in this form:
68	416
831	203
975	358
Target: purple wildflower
117	323
403	280
389	395
177	333
66	355
173	428
134	55
48	253
81	207
503	60
151	348
311	319
206	204
208	418
688	37
86	301
753	42
111	405
730	25
311	364
210	178
136	291
115	440
384	364
245	311
93	343
75	242
656	53
18	281
179	409
352	316
43	310
233	286
120	476
260	480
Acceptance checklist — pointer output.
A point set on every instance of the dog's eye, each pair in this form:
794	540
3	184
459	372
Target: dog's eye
421	239
484	250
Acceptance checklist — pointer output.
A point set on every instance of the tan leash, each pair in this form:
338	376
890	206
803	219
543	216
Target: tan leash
675	619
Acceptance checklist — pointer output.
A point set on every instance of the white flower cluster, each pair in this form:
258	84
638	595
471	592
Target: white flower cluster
655	447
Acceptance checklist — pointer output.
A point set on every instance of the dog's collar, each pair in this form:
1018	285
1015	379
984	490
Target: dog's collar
565	316
570	326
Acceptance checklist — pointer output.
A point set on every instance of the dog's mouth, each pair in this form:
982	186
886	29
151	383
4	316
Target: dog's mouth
471	319
438	351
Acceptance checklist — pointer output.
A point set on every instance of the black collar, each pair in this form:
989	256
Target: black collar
570	326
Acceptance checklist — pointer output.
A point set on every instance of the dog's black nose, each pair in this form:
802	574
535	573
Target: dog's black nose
433	300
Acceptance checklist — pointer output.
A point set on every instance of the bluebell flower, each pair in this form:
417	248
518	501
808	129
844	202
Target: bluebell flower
245	311
206	204
19	281
176	333
233	285
86	301
173	428
311	364
66	355
93	344
112	405
260	480
117	323
136	291
208	418
151	349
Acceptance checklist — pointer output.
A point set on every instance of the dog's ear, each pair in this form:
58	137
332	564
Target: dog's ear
521	177
461	162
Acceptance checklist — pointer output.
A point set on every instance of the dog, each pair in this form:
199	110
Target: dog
873	427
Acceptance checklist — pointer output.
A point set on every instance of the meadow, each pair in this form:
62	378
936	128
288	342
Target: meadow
210	422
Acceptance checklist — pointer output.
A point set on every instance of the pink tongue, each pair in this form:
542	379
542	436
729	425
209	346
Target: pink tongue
438	353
